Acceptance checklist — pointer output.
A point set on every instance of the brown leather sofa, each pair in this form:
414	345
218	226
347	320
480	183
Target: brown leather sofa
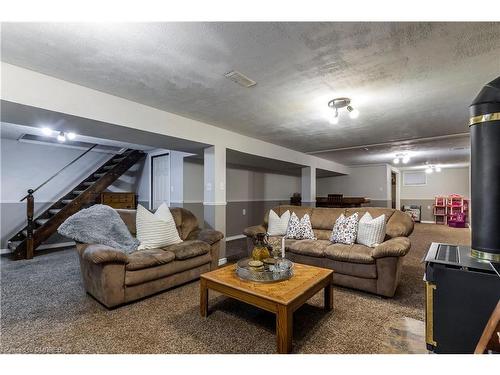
374	270
114	278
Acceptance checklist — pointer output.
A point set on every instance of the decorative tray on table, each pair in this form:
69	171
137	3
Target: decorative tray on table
267	271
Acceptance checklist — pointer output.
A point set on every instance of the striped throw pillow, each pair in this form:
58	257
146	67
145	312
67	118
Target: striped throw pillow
371	232
278	224
156	230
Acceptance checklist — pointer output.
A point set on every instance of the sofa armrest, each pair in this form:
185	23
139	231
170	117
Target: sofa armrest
252	231
395	247
98	254
209	236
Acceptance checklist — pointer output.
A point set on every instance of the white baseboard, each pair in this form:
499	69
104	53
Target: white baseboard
222	261
427	222
44	247
237	237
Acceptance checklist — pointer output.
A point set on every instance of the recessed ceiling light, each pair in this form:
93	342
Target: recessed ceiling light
71	135
396	161
61	137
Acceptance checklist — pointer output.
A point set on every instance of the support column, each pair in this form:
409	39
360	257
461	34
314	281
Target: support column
214	191
309	186
177	178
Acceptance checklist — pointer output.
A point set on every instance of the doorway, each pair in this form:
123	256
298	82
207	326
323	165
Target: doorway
394	189
160	180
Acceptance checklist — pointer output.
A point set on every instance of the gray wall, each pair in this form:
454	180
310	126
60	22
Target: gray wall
249	194
27	165
448	181
364	181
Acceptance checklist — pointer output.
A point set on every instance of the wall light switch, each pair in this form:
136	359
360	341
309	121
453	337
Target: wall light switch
428	207
172	188
244	211
209	186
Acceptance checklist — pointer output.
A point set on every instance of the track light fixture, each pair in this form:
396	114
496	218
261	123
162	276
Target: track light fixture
339	103
61	137
404	158
432	168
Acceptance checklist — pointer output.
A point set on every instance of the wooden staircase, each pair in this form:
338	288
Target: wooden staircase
85	194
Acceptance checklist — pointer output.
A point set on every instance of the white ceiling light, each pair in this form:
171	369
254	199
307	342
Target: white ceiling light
335	119
61	137
405	158
432	168
339	103
71	136
47	131
353	113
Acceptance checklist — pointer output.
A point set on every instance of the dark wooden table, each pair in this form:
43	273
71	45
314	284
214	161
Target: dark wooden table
346	201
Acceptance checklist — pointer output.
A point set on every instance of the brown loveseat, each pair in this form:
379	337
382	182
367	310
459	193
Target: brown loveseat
114	278
374	270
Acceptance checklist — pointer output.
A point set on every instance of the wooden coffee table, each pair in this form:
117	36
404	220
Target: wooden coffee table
281	298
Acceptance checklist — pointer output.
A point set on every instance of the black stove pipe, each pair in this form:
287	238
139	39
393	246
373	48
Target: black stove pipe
485	172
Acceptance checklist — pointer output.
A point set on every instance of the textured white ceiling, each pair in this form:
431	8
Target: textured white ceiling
444	151
409	80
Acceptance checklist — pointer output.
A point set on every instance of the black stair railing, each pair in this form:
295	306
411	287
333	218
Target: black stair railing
30	205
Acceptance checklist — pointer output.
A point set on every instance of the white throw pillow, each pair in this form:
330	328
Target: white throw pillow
156	230
345	229
371	232
278	225
300	229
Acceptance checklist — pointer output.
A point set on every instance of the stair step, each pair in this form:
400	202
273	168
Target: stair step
41	221
66	201
88	183
108	167
54	211
99	175
118	160
78	192
13	244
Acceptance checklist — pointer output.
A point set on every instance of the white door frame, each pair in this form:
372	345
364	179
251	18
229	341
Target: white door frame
398	187
150	174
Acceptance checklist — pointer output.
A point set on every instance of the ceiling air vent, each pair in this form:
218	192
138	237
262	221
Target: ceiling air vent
240	79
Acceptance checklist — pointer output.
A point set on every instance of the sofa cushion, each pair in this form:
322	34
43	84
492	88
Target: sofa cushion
148	258
324	218
349	253
313	248
164	270
188	249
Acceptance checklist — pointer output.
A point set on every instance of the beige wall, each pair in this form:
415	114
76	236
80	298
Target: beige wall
448	181
363	181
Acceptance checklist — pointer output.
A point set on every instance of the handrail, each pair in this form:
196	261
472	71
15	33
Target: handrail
54	175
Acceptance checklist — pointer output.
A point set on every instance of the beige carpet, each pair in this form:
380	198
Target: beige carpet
44	309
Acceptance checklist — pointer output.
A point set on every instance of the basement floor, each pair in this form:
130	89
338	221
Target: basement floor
46	310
